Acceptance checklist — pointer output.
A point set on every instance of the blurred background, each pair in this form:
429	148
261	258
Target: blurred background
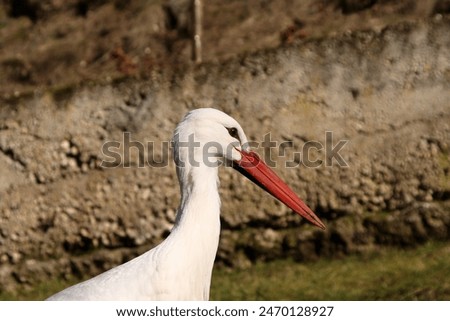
76	74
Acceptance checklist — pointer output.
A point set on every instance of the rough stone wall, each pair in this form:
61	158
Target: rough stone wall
387	93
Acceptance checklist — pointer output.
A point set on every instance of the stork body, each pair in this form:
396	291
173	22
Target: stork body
180	268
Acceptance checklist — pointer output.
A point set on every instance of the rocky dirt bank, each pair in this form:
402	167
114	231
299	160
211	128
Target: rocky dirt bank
386	93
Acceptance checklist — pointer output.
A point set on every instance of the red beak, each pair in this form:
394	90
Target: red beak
259	173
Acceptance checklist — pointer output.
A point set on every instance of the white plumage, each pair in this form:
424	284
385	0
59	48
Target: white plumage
180	267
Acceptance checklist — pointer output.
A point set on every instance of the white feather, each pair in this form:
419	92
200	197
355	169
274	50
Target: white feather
180	267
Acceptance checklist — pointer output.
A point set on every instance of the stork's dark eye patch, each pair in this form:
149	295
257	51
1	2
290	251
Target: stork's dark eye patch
233	132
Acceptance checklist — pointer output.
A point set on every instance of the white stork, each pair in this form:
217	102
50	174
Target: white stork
180	267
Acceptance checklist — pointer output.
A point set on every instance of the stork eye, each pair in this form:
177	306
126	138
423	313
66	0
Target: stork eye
233	132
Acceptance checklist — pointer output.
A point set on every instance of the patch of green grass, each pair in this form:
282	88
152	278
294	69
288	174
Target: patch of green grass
393	274
39	292
390	274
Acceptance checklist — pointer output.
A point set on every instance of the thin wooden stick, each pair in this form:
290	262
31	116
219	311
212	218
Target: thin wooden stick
197	14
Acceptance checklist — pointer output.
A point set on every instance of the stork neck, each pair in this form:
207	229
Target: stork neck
200	201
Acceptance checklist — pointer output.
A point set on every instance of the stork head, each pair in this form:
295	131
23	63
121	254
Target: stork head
206	136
